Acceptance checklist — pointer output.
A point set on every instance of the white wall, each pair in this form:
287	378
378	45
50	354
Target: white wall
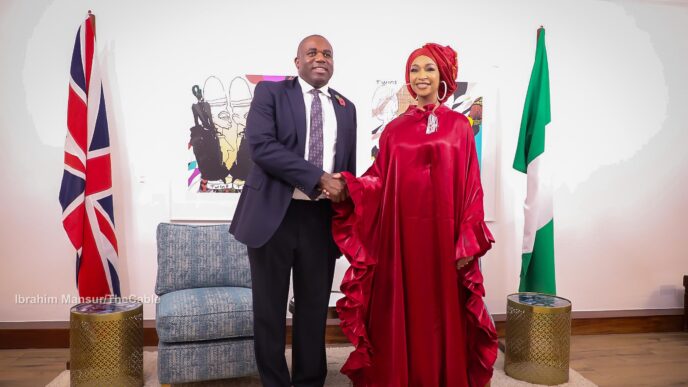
619	95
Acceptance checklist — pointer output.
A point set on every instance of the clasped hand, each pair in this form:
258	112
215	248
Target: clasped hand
334	187
461	263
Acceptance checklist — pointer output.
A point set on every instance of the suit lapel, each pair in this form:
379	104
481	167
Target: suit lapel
298	109
342	132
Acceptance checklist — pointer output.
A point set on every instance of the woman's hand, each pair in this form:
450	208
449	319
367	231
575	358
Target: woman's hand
463	262
334	187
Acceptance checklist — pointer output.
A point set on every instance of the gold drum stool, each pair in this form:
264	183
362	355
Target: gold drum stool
538	338
106	344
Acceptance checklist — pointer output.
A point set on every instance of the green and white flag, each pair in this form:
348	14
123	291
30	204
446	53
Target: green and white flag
537	265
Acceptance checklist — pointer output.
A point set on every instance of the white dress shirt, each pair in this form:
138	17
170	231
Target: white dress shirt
329	129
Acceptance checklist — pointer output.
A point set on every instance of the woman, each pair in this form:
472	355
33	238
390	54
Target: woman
413	295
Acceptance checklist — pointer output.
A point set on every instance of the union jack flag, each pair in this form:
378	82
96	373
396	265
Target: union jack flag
86	191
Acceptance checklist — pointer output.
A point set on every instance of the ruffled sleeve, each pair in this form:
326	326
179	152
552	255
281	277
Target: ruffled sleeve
352	233
474	240
355	232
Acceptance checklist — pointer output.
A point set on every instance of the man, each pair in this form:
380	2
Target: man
299	132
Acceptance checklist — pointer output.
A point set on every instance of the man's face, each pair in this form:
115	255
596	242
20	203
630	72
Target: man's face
314	61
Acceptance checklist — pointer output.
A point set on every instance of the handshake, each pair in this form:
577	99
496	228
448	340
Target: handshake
333	186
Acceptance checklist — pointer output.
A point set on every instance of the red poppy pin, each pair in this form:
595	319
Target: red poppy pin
340	100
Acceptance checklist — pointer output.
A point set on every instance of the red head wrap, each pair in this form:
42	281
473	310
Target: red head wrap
447	64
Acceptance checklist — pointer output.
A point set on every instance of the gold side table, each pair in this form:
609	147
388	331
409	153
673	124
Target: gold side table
106	344
538	338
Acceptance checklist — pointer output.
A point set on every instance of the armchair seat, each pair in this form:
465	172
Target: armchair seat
205	314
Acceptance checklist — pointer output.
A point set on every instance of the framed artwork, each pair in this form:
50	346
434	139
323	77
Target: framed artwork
208	185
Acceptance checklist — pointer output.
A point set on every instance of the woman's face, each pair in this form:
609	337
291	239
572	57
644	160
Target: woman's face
424	77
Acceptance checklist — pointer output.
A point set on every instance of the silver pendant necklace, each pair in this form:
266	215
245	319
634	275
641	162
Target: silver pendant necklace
433	124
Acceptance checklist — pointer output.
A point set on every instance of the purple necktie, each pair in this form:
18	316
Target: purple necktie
315	141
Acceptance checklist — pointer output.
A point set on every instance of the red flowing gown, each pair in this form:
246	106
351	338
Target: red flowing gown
414	319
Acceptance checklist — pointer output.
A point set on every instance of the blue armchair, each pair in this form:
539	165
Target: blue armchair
205	311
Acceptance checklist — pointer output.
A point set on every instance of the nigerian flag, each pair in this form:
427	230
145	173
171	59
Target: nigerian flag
537	262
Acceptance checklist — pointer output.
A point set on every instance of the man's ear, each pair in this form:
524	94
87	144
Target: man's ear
296	62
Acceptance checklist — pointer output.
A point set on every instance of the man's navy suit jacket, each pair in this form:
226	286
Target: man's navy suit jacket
276	134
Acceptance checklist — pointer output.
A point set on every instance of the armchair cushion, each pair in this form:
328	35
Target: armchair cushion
205	314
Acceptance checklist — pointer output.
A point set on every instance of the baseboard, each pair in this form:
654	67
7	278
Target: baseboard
617	321
52	334
55	334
